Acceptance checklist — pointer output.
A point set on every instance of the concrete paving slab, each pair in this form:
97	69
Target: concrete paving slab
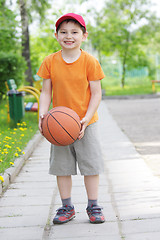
115	237
23	211
138	196
23	221
141	226
136	165
33	185
37	177
29	233
28	192
143	236
33	168
25	201
83	230
139	212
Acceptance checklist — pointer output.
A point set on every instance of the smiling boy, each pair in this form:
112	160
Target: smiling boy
73	76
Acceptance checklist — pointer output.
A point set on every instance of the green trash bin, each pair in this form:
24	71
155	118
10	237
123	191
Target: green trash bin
16	105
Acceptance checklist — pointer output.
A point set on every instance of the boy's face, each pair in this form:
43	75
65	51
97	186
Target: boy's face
70	35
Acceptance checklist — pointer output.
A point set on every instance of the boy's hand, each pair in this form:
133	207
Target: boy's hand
41	117
84	123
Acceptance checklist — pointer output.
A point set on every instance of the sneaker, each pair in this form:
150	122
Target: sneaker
95	214
64	214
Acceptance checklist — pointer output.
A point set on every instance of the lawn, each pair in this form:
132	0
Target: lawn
13	139
133	86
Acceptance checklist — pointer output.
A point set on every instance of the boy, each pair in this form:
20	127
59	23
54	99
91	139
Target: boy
74	76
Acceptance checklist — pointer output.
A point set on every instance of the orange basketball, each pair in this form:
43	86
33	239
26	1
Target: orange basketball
61	126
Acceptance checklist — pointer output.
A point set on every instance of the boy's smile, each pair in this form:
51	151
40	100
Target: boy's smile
70	35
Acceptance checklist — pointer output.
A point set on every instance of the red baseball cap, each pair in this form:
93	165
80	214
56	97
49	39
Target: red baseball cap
73	16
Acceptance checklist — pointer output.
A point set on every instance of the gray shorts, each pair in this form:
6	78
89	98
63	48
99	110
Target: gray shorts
86	153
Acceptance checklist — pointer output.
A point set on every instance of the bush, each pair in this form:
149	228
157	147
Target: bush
12	66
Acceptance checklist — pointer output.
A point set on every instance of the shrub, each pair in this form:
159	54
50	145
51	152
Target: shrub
12	66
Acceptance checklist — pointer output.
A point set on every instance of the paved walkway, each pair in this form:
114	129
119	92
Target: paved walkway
129	193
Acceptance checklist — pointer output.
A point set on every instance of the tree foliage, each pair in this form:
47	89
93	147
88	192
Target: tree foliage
43	43
122	28
12	64
8	30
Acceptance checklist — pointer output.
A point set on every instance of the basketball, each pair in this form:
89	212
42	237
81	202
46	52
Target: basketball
61	126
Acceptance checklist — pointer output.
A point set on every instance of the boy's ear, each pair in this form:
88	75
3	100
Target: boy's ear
85	35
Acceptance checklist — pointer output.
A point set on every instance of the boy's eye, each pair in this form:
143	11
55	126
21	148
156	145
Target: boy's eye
63	32
74	32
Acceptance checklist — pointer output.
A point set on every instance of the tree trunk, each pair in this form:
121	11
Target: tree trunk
123	72
124	61
25	40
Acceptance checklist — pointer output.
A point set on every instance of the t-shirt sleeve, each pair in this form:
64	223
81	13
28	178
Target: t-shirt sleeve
94	70
44	70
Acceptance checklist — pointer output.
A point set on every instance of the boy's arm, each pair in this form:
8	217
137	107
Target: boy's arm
96	95
45	100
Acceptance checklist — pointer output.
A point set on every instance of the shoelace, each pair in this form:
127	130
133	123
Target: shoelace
61	210
95	210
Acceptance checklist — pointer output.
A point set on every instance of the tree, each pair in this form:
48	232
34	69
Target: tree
26	11
42	44
12	64
121	23
8	28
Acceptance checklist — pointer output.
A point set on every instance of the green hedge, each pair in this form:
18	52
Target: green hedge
12	66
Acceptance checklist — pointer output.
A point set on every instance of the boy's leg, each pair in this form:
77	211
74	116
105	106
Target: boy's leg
66	212
93	210
91	184
65	186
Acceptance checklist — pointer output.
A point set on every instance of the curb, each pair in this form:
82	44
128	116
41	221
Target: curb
10	173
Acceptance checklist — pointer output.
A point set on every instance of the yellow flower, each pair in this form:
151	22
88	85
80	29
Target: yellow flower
7	138
23	152
16	154
1	160
18	149
11	163
1	178
22	135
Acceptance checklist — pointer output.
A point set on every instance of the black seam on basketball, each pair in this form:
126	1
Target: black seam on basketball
62	126
70	116
51	133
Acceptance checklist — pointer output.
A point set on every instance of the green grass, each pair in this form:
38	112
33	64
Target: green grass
13	139
133	86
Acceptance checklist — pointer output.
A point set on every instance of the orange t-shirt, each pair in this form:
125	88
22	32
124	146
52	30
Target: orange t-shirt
70	81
